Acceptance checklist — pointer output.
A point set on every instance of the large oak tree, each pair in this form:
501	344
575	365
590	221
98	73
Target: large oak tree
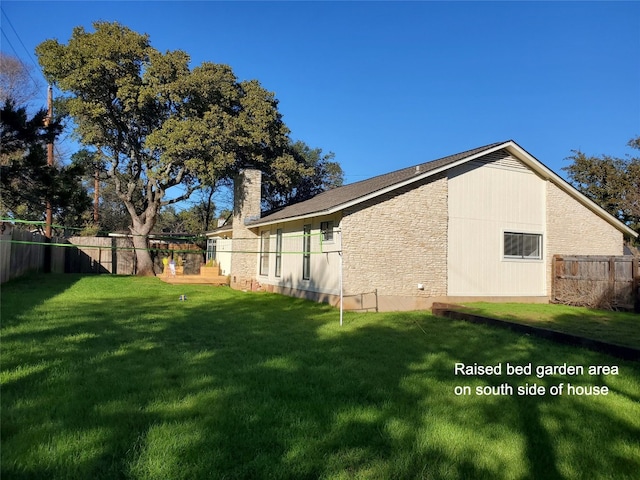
160	124
315	172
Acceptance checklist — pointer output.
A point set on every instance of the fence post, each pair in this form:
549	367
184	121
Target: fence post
612	271
46	267
612	281
114	256
376	292
635	283
554	280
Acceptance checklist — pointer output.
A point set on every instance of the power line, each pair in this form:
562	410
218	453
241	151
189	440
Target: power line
26	50
27	70
154	236
21	42
31	58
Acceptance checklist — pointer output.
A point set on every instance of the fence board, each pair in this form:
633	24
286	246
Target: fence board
103	255
18	258
114	255
596	281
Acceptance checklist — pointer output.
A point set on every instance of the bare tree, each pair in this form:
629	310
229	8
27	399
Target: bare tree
16	81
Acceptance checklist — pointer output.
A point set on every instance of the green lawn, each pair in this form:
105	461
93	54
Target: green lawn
114	378
621	328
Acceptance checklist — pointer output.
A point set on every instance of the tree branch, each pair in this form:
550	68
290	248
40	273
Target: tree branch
182	197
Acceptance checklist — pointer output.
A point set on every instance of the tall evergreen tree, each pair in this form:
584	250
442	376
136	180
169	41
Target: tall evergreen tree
26	181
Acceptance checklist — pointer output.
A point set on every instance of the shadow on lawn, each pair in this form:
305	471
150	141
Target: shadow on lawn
30	291
257	386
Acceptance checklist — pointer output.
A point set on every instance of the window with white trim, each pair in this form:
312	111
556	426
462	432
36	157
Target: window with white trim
306	252
278	252
264	252
211	249
519	245
327	231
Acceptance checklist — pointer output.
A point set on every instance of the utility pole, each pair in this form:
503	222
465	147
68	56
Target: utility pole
47	124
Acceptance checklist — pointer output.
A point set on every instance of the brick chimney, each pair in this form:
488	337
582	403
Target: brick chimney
247	198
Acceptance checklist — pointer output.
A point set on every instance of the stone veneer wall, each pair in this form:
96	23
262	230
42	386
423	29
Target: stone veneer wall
247	198
573	229
398	241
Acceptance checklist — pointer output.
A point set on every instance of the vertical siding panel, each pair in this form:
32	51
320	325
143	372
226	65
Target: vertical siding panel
485	200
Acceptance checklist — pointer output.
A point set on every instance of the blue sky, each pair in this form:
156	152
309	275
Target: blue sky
386	85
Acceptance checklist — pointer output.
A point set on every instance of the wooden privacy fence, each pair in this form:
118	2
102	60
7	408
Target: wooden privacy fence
596	281
101	255
22	251
116	255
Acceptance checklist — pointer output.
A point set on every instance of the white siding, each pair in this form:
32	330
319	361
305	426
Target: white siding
224	247
485	200
325	261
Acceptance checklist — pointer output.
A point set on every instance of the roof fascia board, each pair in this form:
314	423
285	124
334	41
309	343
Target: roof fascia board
217	232
417	178
318	213
383	191
513	147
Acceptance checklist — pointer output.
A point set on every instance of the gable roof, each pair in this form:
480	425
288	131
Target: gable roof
339	198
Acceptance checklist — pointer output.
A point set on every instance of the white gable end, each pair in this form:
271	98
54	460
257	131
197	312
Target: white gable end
491	197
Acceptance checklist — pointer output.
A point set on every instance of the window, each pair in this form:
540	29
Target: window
278	252
264	252
306	252
211	249
327	231
522	245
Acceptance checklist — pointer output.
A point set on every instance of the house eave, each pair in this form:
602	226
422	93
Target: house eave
378	193
219	231
528	159
318	213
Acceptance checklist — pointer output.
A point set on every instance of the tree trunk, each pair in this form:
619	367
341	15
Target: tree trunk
140	229
96	196
144	263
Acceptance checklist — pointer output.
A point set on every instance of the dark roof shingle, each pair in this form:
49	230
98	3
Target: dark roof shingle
348	193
